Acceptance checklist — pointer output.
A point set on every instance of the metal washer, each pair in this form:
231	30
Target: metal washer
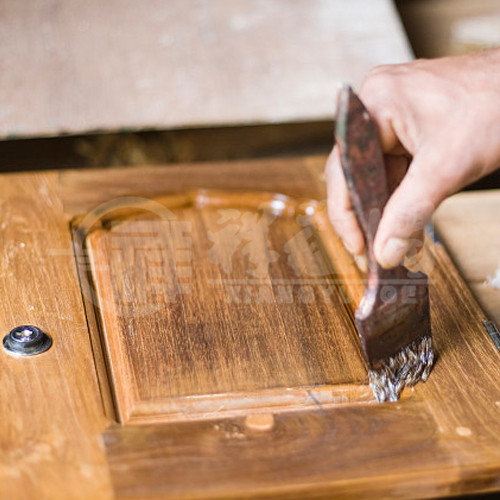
26	340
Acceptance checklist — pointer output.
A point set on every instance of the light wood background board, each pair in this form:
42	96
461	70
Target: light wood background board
469	225
60	437
73	66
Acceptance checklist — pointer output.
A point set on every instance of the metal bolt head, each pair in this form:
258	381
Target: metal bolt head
26	340
25	334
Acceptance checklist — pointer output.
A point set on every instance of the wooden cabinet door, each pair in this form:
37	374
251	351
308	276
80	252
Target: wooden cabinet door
204	346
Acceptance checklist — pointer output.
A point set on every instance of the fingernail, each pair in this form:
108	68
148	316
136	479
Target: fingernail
361	262
393	252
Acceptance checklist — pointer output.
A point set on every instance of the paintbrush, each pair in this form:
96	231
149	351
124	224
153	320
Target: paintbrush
393	317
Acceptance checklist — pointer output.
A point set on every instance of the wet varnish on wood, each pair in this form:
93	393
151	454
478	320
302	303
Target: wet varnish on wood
224	295
162	383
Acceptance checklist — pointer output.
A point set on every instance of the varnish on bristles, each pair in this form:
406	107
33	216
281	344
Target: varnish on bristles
409	366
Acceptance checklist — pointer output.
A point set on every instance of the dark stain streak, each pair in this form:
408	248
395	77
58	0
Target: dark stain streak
315	399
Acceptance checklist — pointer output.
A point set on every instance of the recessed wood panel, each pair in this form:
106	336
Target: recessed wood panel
218	301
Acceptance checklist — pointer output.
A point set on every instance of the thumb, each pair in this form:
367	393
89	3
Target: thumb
409	209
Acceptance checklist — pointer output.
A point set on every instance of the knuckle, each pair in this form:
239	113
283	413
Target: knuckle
378	80
410	219
383	81
378	91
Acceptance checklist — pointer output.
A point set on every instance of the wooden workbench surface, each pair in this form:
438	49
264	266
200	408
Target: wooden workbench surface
469	226
75	66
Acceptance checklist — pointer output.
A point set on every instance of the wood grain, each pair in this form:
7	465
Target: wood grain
50	445
60	437
298	457
224	296
73	66
447	429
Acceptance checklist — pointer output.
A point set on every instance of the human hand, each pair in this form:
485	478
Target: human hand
439	125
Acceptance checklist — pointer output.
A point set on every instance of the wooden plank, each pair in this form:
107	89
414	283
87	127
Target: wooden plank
50	445
462	408
441	438
76	66
467	223
306	454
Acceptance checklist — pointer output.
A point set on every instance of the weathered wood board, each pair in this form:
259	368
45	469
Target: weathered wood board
102	414
468	224
75	66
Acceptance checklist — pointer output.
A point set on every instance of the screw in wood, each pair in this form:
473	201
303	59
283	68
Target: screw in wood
26	340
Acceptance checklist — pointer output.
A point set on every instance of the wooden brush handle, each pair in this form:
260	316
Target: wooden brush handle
392	319
364	169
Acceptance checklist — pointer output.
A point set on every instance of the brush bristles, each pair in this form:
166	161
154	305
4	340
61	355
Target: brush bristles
410	365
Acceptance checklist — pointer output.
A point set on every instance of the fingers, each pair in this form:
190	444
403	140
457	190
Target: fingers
416	193
377	94
401	228
340	211
426	109
409	209
377	97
